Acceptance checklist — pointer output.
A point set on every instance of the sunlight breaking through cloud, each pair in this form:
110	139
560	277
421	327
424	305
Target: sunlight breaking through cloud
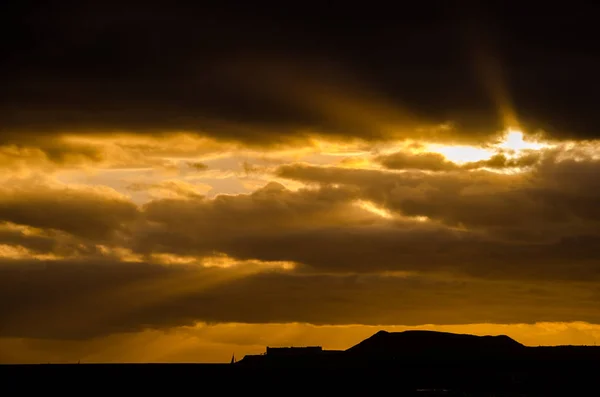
512	144
374	209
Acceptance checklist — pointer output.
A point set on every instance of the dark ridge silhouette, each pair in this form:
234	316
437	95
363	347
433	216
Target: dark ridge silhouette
427	342
439	360
407	346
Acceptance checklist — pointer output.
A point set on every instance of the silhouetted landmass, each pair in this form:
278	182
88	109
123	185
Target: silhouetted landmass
433	343
427	359
409	363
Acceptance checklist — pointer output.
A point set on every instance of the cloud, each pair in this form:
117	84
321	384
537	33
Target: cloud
96	213
352	246
197	166
250	85
500	161
430	161
539	224
172	189
47	155
13	235
551	201
79	300
480	224
421	161
267	210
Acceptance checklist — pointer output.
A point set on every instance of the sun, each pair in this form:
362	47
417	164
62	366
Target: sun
512	144
514	140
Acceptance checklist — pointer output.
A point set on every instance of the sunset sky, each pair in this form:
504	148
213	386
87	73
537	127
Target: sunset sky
183	183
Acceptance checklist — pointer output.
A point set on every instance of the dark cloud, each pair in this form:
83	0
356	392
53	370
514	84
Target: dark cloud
95	213
197	166
36	243
430	161
482	224
420	161
73	300
537	225
427	250
497	248
23	243
500	161
91	67
189	226
554	200
47	154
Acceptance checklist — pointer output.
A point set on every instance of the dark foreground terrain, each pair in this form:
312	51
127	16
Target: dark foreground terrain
562	380
406	363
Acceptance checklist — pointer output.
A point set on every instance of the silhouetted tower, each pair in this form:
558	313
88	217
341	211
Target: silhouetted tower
233	358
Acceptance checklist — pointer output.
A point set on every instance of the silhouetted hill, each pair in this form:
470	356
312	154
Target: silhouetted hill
417	348
428	359
410	343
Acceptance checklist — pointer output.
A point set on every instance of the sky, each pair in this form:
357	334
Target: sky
182	183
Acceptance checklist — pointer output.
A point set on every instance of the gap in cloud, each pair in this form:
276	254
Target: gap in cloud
512	145
222	261
513	152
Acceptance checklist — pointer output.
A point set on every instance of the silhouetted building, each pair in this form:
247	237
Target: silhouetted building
294	351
